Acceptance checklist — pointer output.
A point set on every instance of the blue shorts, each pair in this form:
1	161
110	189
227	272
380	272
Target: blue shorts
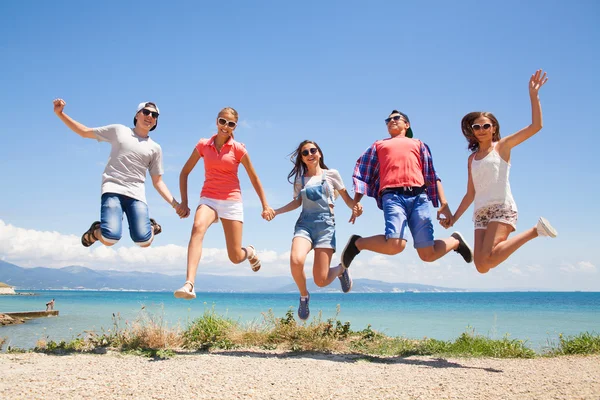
319	229
111	218
400	211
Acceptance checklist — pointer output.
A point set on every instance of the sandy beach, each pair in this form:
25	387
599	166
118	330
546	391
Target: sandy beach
254	374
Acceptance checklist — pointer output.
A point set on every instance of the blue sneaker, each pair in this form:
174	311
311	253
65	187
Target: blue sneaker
303	311
345	281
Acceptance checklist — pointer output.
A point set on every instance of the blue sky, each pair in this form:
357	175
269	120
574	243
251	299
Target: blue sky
327	71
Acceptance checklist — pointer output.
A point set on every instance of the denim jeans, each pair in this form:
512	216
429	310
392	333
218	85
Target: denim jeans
111	218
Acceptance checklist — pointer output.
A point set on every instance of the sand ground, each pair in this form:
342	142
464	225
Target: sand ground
254	374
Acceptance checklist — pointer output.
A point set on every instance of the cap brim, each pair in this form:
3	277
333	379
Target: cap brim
409	133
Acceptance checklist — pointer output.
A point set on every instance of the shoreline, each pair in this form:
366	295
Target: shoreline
257	374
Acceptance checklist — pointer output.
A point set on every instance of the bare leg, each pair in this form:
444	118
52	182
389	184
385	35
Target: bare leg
204	217
492	245
379	244
322	272
300	248
440	248
233	239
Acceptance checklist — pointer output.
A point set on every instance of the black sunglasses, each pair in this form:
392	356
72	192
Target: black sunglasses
223	121
148	112
477	127
395	118
312	150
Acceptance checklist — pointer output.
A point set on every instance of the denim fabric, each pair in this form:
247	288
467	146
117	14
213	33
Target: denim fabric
400	212
111	218
316	222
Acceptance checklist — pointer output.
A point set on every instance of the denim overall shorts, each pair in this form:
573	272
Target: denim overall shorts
316	222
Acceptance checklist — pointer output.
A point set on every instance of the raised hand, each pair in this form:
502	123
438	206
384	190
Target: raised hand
536	82
59	105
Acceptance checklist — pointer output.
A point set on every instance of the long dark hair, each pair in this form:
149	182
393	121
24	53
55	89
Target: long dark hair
299	166
467	131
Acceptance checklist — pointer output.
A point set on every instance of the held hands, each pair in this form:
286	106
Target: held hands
536	82
268	213
448	219
181	209
357	211
59	105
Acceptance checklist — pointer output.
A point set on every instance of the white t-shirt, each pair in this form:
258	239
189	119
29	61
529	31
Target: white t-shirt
130	157
332	178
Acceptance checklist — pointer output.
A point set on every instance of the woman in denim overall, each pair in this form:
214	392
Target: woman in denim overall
315	189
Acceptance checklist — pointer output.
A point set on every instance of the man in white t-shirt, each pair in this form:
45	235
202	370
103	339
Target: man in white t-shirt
123	181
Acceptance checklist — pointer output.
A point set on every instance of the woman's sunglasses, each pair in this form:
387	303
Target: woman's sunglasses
148	112
223	121
395	118
477	127
312	150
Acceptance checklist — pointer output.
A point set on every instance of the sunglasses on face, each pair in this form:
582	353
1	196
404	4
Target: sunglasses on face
148	112
306	152
223	121
394	118
477	127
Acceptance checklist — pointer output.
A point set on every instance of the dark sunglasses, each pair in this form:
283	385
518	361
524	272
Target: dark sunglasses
312	150
223	121
477	127
395	118
148	112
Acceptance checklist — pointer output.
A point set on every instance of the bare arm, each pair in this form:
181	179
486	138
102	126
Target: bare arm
444	208
506	144
78	128
292	205
467	199
183	210
163	190
354	205
267	211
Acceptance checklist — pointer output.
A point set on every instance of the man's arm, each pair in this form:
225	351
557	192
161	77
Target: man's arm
78	128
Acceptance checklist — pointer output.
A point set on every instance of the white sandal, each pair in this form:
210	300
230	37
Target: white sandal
253	259
184	293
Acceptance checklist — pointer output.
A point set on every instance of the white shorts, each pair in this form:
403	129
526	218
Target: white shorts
226	209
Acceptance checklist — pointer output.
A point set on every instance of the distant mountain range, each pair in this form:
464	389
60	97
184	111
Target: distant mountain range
82	278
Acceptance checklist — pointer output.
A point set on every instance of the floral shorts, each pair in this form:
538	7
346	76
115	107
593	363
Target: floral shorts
504	213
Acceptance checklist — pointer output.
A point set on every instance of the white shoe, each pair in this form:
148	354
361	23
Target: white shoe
184	293
545	229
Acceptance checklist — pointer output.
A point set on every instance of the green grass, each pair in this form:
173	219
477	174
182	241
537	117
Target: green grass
149	336
584	343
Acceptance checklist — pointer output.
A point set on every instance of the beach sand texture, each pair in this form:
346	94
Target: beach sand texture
254	374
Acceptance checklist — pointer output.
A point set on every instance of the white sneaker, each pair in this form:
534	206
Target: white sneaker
545	229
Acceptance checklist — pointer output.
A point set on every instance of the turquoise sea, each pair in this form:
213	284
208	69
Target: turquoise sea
537	317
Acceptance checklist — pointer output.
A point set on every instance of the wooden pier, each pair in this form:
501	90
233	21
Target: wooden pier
32	314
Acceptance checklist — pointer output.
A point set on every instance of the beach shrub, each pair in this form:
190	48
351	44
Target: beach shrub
584	343
209	331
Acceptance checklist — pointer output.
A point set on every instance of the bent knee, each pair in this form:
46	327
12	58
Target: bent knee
428	257
395	246
483	265
320	281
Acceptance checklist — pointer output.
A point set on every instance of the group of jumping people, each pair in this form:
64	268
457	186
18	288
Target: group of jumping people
397	171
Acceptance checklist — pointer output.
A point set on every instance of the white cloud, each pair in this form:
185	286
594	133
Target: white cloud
584	267
30	248
515	271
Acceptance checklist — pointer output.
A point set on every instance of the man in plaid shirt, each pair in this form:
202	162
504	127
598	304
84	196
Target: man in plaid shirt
398	172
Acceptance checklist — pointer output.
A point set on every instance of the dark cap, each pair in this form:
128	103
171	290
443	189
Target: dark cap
409	132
